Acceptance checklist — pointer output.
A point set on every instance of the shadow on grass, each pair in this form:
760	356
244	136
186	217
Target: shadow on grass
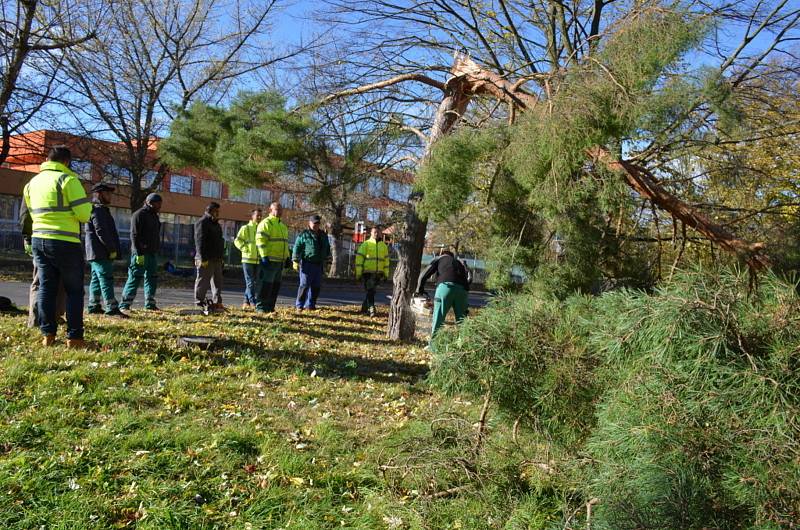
356	366
339	335
335	366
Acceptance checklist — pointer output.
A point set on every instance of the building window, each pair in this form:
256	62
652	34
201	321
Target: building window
114	174
351	212
83	168
291	167
373	215
399	192
211	188
148	178
359	187
302	202
9	208
375	186
180	184
253	196
287	201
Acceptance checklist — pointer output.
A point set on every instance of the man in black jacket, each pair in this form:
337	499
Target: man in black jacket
102	248
453	279
209	255
145	242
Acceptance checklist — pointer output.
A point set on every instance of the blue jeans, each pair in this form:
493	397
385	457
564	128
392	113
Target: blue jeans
310	282
250	283
59	262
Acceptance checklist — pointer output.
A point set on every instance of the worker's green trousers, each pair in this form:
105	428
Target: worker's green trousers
136	273
448	295
101	285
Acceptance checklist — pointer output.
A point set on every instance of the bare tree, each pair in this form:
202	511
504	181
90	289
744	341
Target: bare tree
155	57
348	148
33	37
519	54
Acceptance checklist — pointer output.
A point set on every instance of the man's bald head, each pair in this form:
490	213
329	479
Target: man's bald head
275	209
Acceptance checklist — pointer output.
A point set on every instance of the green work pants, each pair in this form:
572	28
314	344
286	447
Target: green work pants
448	295
269	285
148	272
101	285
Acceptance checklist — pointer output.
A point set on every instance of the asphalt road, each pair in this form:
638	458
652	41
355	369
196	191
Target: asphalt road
330	295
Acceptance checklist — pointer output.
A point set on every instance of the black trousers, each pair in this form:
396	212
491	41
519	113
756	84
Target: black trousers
269	286
370	286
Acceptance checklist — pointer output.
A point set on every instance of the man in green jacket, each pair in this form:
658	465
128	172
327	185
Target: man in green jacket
58	205
272	240
246	243
311	251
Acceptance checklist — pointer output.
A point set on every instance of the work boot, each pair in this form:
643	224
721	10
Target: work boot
245	306
372	311
48	340
218	308
76	344
95	310
117	313
152	308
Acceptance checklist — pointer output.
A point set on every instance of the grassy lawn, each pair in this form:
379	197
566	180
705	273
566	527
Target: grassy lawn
295	421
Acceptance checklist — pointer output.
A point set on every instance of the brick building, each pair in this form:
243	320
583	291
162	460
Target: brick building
186	192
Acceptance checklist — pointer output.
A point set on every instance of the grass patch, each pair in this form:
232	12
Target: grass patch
289	424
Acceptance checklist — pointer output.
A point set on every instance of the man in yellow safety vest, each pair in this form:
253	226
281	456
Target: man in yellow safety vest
372	266
58	204
246	243
272	242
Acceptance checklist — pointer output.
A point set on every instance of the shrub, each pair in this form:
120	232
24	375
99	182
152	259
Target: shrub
527	352
679	407
698	429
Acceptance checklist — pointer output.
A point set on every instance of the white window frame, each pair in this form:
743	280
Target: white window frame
214	184
372	187
290	202
114	174
172	180
83	168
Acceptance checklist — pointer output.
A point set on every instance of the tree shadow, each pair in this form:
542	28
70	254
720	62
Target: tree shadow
340	337
339	366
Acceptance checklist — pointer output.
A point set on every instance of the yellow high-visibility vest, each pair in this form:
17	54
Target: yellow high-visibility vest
372	256
272	239
57	203
246	242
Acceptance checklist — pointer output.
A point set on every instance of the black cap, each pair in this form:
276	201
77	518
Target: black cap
153	197
102	186
315	218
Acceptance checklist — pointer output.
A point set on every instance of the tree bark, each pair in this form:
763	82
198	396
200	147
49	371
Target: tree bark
337	254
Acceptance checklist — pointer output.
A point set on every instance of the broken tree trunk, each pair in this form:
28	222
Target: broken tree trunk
402	321
478	81
646	185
